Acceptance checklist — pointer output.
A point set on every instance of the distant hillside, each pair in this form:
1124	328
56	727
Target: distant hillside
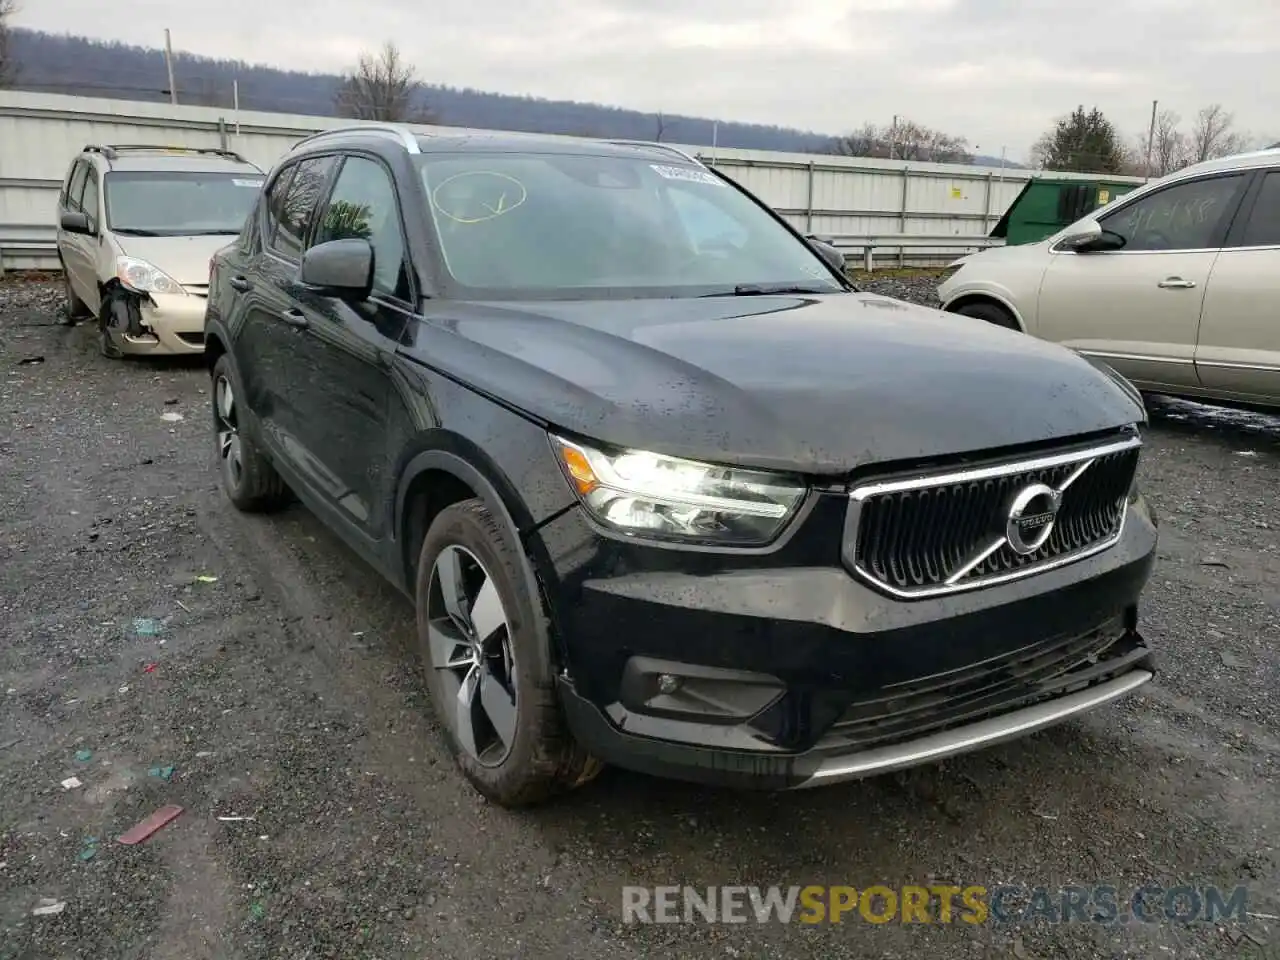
83	67
79	66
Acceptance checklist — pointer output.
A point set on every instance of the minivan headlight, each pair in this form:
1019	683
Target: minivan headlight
650	494
145	277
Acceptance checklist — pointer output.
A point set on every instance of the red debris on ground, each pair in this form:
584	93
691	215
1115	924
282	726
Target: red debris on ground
150	825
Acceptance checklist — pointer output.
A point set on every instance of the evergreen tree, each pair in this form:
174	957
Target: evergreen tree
1084	141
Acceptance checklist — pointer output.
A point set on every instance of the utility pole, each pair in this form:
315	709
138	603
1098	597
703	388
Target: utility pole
235	103
715	139
1151	136
168	62
893	136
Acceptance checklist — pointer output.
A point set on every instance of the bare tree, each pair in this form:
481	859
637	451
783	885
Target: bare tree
1038	155
8	67
662	127
866	141
382	87
1168	147
907	140
1212	135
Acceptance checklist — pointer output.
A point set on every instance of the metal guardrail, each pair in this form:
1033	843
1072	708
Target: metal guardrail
27	244
868	245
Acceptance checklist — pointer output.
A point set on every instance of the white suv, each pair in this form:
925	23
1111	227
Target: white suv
1176	285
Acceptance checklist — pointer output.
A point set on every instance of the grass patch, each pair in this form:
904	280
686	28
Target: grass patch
899	273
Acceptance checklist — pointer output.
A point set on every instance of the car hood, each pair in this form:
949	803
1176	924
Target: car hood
185	259
814	383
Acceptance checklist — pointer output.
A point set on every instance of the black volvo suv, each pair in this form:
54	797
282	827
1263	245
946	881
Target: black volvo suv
667	490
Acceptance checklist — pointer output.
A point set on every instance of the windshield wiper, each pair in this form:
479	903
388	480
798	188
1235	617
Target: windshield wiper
137	232
765	290
211	233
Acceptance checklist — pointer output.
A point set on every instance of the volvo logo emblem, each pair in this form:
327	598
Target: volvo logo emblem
1032	514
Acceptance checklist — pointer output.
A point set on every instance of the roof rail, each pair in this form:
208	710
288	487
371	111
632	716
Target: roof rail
408	139
112	150
668	148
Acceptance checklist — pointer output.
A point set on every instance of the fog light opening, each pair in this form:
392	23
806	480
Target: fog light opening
669	683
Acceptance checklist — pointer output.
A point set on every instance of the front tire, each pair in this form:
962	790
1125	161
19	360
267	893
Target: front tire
489	679
75	308
248	478
992	313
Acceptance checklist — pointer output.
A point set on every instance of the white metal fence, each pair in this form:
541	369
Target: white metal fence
865	203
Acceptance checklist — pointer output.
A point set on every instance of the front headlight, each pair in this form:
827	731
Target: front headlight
143	277
650	494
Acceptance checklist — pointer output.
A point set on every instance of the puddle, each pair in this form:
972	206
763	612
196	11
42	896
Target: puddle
1249	428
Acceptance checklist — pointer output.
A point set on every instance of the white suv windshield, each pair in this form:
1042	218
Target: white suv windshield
170	204
512	225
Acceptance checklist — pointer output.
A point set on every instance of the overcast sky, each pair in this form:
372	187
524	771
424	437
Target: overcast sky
994	71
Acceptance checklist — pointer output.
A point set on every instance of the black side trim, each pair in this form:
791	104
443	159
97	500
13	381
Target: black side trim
677	761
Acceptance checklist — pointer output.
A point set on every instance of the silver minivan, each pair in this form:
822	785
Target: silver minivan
137	226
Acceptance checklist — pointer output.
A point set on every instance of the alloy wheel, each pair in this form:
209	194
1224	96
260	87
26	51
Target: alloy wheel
230	450
469	641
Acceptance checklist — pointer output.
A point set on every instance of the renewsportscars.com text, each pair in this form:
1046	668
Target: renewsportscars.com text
974	904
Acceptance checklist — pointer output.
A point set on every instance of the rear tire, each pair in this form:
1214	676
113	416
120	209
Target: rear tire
490	682
249	480
991	312
75	308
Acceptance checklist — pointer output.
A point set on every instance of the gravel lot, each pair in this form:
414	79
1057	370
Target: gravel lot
284	691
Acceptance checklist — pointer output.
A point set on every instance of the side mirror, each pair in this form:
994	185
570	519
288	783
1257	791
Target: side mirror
1089	237
340	268
73	221
833	257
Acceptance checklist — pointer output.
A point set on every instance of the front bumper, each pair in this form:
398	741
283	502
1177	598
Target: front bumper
173	325
795	674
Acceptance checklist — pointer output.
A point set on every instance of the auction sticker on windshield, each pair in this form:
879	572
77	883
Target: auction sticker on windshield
247	183
685	173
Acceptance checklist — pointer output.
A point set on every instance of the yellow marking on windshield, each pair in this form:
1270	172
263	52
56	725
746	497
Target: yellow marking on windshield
499	182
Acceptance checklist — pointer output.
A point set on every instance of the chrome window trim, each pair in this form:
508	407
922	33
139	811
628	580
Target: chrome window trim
1138	253
1250	248
860	494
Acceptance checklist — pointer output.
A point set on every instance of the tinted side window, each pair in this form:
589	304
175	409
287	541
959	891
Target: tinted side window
363	205
1185	216
66	184
299	206
89	200
274	205
77	184
1263	228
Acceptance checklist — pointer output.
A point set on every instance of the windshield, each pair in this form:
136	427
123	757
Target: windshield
174	204
513	226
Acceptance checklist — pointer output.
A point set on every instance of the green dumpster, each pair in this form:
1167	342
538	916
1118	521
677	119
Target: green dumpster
1046	205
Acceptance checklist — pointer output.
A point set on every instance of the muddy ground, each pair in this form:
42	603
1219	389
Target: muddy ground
285	691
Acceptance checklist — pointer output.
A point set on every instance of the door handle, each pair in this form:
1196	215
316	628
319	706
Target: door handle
1176	283
295	318
243	284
